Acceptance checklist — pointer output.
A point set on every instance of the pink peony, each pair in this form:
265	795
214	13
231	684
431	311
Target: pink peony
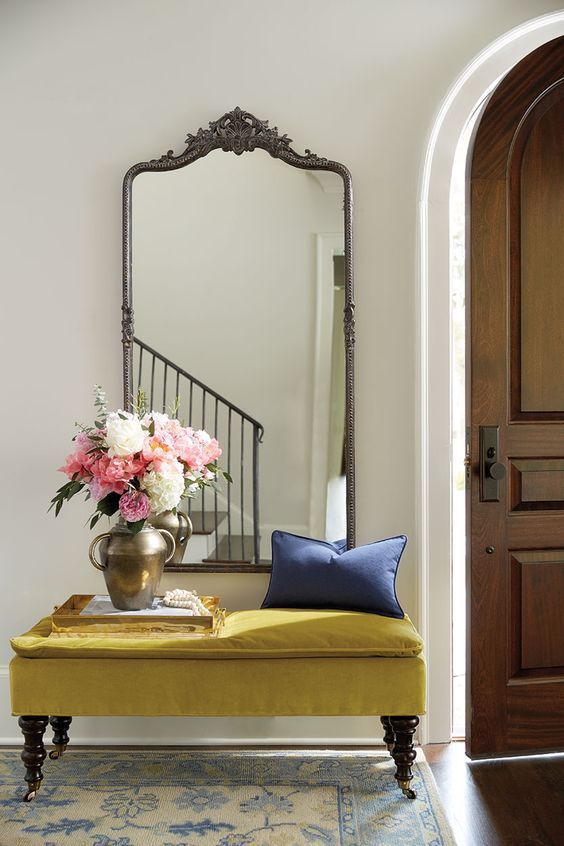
161	445
98	490
81	460
115	472
210	447
83	442
74	463
134	506
189	450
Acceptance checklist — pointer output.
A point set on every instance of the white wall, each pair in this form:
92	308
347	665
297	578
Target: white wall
87	89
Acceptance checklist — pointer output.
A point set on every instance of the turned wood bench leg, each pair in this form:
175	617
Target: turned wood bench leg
389	736
33	755
60	726
403	752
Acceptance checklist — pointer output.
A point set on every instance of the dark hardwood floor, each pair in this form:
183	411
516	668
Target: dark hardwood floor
505	802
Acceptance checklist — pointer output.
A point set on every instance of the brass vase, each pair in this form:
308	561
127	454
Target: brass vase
180	527
132	564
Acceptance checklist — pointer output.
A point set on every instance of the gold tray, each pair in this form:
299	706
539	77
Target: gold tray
66	621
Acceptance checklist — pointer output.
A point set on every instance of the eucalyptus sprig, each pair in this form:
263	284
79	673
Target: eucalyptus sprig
101	404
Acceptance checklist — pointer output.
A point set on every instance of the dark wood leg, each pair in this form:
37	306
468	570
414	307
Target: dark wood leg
60	726
403	752
389	736
33	755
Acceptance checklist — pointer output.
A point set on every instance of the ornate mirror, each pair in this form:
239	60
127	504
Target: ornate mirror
239	269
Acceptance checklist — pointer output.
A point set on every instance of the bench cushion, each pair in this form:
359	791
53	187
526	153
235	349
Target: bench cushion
272	633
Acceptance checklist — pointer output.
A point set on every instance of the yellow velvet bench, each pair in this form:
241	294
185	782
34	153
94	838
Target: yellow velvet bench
268	662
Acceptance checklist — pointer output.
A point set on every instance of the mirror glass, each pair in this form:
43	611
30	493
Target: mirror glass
238	288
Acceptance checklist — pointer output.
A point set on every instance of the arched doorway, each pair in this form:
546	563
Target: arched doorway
433	446
515	412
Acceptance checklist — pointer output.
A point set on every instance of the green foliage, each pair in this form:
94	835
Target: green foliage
136	527
65	492
172	409
109	504
101	405
140	406
140	403
215	469
105	507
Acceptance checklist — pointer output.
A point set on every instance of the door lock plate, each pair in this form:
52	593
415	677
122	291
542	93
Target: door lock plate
492	471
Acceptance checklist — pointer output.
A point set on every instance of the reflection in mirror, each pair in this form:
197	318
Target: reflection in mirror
238	269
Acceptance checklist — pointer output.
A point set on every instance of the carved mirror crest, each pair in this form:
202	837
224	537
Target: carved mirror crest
240	270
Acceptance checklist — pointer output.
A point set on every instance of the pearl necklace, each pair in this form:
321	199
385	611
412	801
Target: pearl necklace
188	599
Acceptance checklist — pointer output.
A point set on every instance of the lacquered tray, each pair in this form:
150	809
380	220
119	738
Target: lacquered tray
68	620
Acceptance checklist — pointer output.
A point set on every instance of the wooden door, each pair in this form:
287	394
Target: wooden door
515	382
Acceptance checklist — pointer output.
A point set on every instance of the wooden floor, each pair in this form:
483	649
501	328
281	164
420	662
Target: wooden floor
506	802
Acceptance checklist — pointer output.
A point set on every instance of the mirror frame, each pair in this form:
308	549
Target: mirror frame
240	132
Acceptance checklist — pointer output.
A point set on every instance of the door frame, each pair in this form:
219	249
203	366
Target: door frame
433	401
328	244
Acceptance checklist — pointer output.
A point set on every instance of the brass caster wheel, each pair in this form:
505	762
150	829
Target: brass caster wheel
33	787
406	789
57	752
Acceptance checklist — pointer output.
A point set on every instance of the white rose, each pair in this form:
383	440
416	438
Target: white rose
164	487
124	434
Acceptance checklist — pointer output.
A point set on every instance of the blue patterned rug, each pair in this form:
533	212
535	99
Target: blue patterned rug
166	797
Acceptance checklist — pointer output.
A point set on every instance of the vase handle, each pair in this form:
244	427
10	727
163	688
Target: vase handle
93	545
168	537
185	532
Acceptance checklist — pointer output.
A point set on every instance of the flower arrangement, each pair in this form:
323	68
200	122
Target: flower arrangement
137	463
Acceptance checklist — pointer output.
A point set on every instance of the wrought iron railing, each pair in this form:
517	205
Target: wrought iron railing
239	434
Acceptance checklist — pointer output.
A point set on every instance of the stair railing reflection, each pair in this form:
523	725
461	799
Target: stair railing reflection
238	433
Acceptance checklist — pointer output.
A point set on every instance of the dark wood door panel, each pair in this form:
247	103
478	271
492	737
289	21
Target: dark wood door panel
544	440
536	484
541	210
537	618
534	716
535	530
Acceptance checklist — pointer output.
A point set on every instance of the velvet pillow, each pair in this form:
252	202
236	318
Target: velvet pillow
309	573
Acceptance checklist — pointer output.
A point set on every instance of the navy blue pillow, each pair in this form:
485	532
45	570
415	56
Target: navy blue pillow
309	573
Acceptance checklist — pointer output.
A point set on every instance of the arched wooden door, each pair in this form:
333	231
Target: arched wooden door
515	408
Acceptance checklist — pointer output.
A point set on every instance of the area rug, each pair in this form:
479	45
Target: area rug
166	797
